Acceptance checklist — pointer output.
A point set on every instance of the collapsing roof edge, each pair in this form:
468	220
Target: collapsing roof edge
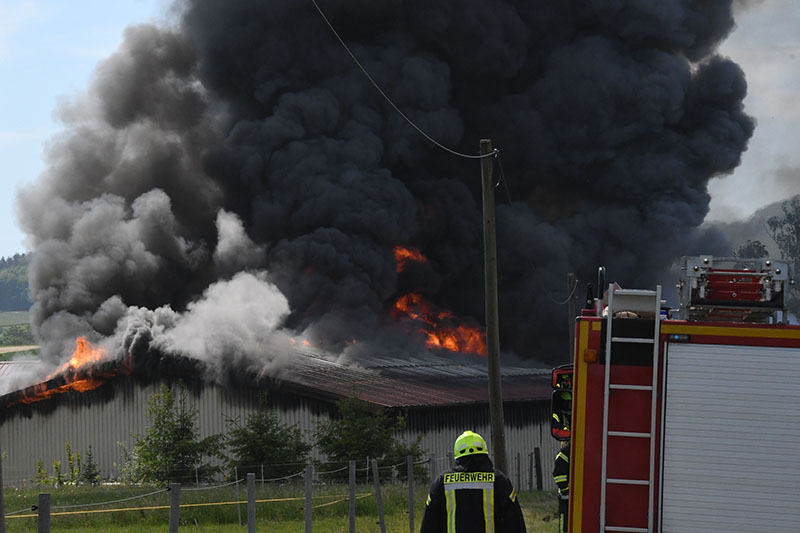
387	383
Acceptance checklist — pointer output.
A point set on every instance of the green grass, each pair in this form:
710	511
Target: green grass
11	318
330	514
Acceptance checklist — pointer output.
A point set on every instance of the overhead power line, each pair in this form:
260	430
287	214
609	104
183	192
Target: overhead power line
378	88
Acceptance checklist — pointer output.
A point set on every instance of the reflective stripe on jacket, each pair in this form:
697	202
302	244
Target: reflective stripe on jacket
561	470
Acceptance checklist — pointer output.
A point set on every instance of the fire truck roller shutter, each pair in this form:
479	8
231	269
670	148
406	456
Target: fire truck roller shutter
731	443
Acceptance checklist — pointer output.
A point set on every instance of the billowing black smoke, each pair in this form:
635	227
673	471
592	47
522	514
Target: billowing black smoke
235	181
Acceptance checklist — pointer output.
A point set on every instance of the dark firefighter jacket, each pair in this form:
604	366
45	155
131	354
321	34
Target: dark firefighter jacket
561	470
472	498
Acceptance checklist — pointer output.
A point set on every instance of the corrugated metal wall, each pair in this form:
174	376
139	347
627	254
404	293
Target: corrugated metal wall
42	434
102	424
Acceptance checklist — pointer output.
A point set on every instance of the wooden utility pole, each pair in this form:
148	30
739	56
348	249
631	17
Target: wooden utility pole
492	327
571	314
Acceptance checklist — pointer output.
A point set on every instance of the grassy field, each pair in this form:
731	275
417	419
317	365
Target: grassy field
15	336
12	318
217	510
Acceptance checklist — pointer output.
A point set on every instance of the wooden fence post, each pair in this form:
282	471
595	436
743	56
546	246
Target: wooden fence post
251	503
43	519
309	498
352	472
378	496
538	458
174	507
410	476
238	497
530	471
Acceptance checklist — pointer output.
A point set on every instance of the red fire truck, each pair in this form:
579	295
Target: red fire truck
686	420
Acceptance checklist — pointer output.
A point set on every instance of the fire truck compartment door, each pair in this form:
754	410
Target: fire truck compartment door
731	444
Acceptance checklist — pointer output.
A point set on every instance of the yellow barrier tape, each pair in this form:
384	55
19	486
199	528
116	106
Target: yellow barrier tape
340	501
205	504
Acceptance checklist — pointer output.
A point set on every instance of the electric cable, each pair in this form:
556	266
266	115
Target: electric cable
333	471
212	486
108	502
378	88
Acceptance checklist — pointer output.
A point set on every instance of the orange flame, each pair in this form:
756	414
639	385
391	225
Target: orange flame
448	336
41	392
404	256
84	356
76	372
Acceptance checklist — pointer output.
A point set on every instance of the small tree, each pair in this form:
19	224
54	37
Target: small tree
399	455
73	464
42	479
171	450
58	477
361	433
90	473
263	440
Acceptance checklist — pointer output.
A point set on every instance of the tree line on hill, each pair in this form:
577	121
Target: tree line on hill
14	290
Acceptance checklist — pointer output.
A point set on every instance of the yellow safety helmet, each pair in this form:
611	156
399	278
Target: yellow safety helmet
469	443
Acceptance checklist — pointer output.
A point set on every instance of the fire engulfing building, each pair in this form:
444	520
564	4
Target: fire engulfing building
439	398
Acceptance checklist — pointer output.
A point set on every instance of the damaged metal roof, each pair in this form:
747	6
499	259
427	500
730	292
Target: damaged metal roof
428	381
417	382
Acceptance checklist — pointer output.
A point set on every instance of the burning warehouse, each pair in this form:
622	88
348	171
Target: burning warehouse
231	188
437	399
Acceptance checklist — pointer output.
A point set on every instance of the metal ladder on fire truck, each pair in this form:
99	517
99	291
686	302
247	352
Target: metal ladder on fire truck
644	303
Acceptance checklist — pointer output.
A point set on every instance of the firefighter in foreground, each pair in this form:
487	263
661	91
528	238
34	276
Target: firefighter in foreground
473	496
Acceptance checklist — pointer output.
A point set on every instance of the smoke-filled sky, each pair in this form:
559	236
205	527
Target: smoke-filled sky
231	172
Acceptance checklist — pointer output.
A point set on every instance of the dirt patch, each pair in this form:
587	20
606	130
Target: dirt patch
9	349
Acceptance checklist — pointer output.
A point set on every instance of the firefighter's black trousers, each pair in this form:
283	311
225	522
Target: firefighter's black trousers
563	513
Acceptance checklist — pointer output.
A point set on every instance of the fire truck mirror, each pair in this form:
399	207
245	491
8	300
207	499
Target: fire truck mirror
561	419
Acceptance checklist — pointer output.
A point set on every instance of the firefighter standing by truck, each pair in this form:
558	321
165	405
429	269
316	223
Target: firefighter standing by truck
472	497
561	427
561	477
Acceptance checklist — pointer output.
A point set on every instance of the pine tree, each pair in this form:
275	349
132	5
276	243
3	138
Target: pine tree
90	474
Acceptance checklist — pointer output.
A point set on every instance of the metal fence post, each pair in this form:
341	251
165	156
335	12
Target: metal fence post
174	507
410	476
352	496
43	519
433	466
378	496
251	502
518	484
309	500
